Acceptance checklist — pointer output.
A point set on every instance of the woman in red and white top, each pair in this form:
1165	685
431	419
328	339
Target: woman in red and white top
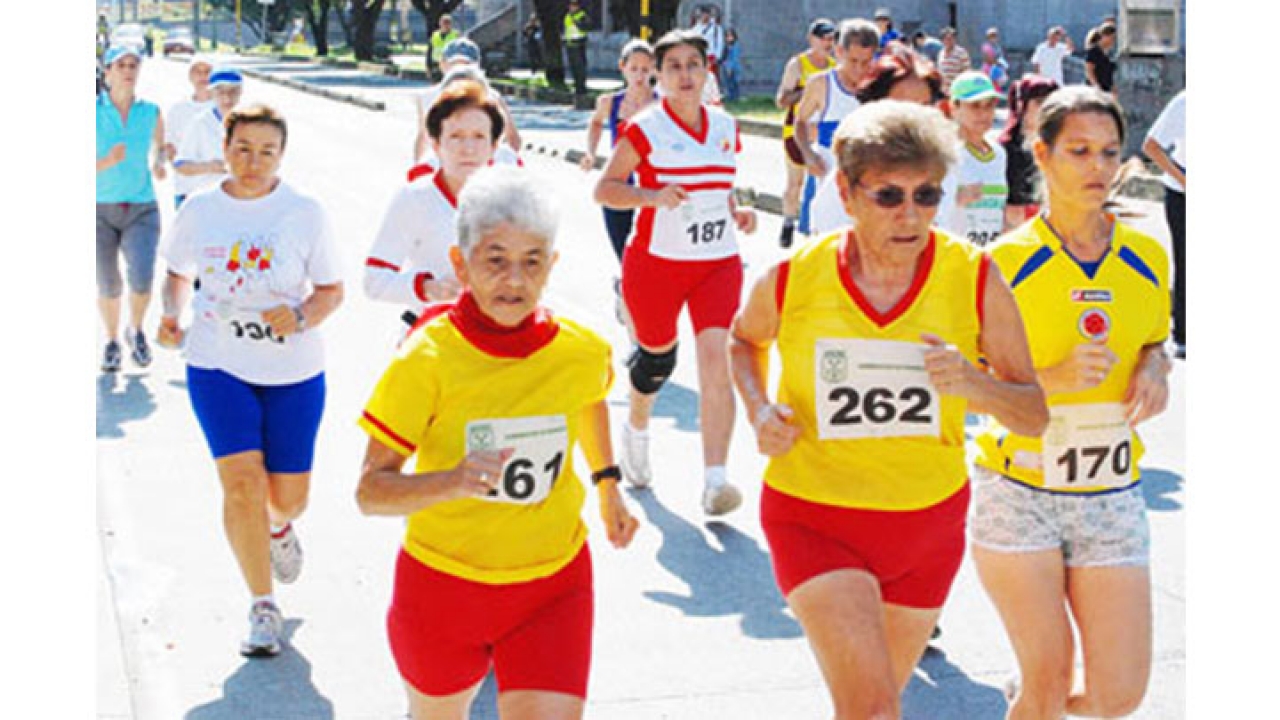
683	251
409	261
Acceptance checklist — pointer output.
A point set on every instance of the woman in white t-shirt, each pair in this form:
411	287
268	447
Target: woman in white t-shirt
976	188
263	262
408	263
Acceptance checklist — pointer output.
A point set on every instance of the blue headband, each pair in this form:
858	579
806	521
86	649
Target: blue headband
225	76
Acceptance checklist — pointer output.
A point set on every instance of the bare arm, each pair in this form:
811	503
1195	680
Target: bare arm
595	128
619	524
318	306
1148	391
753	333
810	104
510	132
613	191
789	91
160	155
1153	150
386	490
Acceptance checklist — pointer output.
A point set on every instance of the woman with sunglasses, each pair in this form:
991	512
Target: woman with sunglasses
1059	528
683	250
879	327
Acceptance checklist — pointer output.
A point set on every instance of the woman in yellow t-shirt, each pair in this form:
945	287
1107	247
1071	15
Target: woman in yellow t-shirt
492	393
879	327
1059	526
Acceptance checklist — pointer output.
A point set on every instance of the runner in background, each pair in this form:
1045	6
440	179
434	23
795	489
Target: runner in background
800	68
1021	173
198	162
458	53
182	113
976	187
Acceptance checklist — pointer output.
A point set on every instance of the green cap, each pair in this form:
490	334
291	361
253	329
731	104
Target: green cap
971	86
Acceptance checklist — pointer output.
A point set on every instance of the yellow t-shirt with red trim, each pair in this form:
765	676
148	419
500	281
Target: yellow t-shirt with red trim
442	394
1124	305
874	432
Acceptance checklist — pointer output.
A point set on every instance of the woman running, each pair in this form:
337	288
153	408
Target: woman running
976	188
1021	175
683	251
263	260
1059	526
492	393
880	328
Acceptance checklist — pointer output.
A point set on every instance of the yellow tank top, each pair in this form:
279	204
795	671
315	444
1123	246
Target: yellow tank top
1124	304
875	433
807	70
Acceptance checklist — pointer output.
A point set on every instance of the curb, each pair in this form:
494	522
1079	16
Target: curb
375	105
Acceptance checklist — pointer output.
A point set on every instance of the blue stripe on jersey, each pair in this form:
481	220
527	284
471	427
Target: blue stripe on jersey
1132	260
1033	263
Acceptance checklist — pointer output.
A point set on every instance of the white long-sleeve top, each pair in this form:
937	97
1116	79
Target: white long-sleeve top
412	245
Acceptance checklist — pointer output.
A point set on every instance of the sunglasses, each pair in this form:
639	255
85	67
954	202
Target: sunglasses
892	196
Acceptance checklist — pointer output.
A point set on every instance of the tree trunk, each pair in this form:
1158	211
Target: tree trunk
344	20
318	20
364	15
551	13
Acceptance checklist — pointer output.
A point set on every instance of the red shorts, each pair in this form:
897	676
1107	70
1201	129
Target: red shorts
655	290
914	555
445	631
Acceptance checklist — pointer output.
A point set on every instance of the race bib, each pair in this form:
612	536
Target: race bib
873	389
1087	446
984	219
540	446
701	227
247	327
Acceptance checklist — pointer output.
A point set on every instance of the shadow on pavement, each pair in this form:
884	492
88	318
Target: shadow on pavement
122	399
485	706
1158	487
334	80
676	402
737	580
945	692
279	688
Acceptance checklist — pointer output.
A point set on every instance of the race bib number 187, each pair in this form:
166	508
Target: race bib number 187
540	446
873	389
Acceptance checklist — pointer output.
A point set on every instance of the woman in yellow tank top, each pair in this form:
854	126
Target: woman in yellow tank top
1059	526
879	327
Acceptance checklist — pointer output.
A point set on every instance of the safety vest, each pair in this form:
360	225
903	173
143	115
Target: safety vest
439	40
573	27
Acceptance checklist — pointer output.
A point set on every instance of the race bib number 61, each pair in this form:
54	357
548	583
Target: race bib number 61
873	389
540	446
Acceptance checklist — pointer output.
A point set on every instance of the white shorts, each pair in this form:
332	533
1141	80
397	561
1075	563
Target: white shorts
1091	530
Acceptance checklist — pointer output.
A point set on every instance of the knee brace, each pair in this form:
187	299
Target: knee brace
649	371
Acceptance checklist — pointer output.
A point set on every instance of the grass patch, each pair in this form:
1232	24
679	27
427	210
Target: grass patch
756	107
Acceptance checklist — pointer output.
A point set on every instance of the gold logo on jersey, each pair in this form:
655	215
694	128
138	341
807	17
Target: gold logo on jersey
835	366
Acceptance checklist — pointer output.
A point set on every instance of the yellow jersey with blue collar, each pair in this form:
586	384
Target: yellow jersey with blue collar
443	397
1121	302
874	432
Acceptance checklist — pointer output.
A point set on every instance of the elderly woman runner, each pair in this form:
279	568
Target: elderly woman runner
879	327
492	393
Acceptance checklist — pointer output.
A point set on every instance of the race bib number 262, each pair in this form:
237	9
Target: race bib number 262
873	389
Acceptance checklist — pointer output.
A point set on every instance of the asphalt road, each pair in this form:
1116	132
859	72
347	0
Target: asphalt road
689	623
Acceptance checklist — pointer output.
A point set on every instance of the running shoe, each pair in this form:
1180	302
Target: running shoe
635	457
286	555
139	350
787	235
1180	350
111	356
721	499
266	625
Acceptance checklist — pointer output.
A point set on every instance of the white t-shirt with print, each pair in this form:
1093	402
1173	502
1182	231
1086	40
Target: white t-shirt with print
1050	60
180	116
983	221
1170	133
248	256
201	142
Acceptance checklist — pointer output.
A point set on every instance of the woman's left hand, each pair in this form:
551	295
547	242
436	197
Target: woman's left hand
1148	391
281	319
619	524
948	369
745	219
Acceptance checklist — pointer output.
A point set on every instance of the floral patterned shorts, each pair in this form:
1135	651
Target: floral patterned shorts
1090	530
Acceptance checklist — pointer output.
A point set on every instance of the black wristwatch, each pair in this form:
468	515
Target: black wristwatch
610	473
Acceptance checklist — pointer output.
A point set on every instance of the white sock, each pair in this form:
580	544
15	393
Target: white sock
277	529
714	476
633	431
269	598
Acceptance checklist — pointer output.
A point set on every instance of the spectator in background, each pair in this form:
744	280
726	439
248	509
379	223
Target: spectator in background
709	27
994	64
533	42
884	23
444	35
1099	68
1166	145
927	45
731	68
953	59
1048	56
576	23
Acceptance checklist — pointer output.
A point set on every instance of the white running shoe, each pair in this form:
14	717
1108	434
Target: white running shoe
635	456
266	625
721	499
286	555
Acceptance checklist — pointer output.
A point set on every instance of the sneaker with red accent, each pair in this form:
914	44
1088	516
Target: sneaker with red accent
286	555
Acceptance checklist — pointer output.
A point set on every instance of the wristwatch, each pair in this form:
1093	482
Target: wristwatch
610	473
302	319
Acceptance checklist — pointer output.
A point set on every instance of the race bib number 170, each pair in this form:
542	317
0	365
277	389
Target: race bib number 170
540	446
1087	446
873	389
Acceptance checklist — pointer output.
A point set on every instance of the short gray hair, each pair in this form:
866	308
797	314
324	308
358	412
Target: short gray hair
893	134
502	194
858	31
